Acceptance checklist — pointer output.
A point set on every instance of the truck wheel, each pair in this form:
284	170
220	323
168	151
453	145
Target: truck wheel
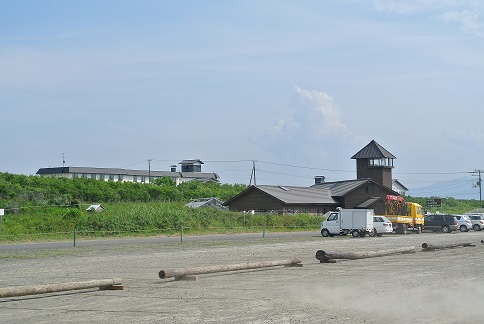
374	233
445	229
362	234
324	232
355	233
402	229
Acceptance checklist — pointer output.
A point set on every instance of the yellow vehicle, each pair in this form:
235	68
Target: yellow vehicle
405	216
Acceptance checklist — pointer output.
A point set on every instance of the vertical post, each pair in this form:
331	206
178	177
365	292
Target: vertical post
264	231
480	189
149	170
253	170
74	237
479	183
2	211
181	233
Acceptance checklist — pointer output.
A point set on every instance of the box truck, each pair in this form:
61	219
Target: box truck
357	222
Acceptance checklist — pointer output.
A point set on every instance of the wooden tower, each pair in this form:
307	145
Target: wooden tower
375	162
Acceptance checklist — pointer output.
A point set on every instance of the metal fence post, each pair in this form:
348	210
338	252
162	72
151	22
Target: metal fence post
75	237
181	233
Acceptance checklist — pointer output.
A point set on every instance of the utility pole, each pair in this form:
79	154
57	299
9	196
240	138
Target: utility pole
479	183
149	170
252	175
63	160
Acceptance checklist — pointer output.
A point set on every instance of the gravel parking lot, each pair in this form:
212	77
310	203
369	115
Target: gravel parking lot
440	286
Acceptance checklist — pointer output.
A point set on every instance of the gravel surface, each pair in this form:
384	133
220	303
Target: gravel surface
439	286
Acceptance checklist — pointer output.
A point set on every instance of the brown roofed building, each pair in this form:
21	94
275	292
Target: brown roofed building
368	191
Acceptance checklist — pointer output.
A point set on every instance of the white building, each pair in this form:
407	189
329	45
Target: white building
191	170
399	187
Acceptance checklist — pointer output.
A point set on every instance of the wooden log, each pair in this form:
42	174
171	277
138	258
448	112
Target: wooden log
44	289
326	256
428	246
182	272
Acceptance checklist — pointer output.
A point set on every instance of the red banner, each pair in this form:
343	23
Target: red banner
392	197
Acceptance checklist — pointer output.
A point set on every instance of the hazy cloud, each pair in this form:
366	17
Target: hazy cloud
312	130
464	12
468	20
324	115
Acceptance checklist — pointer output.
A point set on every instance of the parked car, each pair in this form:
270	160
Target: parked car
440	222
381	225
464	223
477	222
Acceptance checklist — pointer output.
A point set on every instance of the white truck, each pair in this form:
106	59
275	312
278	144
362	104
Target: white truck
358	222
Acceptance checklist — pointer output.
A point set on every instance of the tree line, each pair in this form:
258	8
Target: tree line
19	191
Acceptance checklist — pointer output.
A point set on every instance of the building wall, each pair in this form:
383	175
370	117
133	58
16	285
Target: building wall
255	200
365	192
308	209
114	177
259	201
379	174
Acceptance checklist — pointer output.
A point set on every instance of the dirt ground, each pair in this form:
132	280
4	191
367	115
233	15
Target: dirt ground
441	286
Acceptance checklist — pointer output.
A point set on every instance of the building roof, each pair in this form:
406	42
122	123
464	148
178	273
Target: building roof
367	203
399	184
373	150
298	195
206	202
97	207
195	161
341	188
198	175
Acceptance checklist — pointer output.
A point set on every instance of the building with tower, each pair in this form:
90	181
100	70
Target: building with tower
374	166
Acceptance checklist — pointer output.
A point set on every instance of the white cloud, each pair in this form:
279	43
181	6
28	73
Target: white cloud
311	132
468	137
464	12
324	114
469	20
414	6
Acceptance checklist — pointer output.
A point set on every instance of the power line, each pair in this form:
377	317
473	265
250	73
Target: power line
436	173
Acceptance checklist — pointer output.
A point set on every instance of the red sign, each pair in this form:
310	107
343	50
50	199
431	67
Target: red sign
392	197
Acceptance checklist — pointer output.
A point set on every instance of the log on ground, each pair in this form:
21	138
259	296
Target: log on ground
182	272
51	288
326	256
429	246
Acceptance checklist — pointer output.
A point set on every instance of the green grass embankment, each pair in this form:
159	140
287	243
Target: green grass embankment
141	219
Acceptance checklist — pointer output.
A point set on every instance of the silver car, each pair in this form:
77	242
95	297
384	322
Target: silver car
464	222
381	225
477	221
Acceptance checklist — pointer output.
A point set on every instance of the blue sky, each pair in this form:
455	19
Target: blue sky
297	86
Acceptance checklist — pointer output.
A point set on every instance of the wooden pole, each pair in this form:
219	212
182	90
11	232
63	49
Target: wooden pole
44	289
182	272
428	246
326	256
